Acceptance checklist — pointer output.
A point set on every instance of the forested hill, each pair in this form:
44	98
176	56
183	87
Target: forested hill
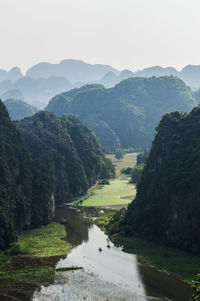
44	160
167	205
15	180
19	109
68	151
126	115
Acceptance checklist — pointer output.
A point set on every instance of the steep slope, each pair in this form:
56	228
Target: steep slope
44	160
15	180
67	158
127	114
167	205
19	109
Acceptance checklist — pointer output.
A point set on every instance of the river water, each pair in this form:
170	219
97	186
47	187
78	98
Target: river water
110	275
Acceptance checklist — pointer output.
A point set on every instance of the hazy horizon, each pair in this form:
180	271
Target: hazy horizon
97	63
128	34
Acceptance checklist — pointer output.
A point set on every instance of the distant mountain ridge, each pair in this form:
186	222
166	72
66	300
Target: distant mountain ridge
34	91
72	70
45	80
190	74
19	109
13	74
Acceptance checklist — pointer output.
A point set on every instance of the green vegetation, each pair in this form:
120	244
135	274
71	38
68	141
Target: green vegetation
119	192
104	218
142	157
135	104
39	275
196	285
44	160
104	182
167	206
128	161
119	153
38	252
19	109
14	179
136	173
68	269
45	241
168	260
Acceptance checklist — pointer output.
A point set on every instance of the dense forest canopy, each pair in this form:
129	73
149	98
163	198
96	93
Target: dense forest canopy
44	160
125	116
167	204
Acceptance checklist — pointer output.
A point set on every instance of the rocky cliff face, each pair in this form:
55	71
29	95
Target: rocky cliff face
167	205
15	180
44	160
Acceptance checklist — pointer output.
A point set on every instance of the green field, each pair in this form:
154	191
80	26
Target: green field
33	257
129	160
119	192
44	241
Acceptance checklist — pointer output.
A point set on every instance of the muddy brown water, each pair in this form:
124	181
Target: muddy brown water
110	275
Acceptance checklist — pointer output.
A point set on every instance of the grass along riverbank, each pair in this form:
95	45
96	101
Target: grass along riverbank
31	261
170	261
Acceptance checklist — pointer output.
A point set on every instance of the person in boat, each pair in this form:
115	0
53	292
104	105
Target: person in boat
100	249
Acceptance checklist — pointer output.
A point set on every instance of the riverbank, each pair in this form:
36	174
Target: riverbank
171	261
31	261
110	265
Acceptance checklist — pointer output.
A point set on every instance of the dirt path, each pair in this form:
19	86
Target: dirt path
84	197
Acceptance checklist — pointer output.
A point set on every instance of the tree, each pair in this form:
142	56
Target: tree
196	295
119	153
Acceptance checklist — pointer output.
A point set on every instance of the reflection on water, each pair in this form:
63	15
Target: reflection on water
108	275
110	265
160	285
77	227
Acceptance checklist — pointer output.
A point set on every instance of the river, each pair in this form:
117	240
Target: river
110	275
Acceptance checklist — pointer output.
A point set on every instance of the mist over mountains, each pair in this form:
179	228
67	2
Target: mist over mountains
72	70
18	109
44	80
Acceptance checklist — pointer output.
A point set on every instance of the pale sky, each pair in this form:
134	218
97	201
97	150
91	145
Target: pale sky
131	34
